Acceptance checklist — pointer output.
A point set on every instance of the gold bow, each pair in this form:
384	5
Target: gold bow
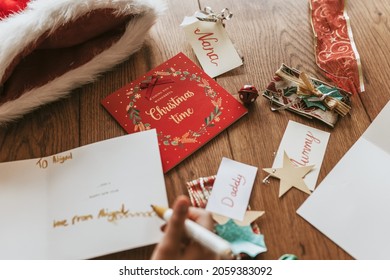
209	15
306	89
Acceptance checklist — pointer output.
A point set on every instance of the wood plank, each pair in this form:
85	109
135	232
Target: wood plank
46	131
165	40
369	21
269	33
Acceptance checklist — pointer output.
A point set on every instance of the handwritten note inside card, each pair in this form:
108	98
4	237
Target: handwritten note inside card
86	202
232	189
305	146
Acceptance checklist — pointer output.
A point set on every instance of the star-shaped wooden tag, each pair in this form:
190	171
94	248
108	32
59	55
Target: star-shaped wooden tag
290	175
250	217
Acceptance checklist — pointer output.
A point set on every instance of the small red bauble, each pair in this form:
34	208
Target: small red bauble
248	94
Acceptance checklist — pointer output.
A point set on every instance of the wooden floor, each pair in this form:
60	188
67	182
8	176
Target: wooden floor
268	33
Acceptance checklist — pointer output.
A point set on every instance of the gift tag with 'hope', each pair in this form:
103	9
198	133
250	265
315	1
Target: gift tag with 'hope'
211	43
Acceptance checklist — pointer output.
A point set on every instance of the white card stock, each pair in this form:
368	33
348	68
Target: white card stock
232	189
305	146
351	204
82	203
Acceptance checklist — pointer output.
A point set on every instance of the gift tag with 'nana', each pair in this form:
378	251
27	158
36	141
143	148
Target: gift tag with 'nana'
212	45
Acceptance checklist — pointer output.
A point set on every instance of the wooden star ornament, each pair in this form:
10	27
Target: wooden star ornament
290	175
250	217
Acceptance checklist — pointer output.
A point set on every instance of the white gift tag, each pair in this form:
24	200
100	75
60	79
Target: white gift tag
232	189
212	46
305	146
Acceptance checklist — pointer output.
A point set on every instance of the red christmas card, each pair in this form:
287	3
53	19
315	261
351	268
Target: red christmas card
179	100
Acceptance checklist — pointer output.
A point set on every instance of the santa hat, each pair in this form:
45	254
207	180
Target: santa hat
49	48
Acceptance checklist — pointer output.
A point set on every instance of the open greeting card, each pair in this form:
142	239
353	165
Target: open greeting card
351	204
179	100
86	202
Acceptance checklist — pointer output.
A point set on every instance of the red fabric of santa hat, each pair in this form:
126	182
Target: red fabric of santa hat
51	47
8	7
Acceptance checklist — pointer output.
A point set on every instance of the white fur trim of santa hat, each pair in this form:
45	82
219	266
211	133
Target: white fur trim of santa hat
40	17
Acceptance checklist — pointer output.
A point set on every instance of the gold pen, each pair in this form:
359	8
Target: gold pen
203	236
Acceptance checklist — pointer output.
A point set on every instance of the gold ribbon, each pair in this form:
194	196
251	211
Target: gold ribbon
306	89
209	15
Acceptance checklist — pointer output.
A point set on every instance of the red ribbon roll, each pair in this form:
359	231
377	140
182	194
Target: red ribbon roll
336	53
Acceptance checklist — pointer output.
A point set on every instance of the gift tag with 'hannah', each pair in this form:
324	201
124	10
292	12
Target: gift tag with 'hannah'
212	45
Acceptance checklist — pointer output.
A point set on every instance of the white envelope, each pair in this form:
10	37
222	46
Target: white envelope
86	202
351	204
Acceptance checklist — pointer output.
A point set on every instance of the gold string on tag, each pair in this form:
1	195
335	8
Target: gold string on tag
306	89
209	15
